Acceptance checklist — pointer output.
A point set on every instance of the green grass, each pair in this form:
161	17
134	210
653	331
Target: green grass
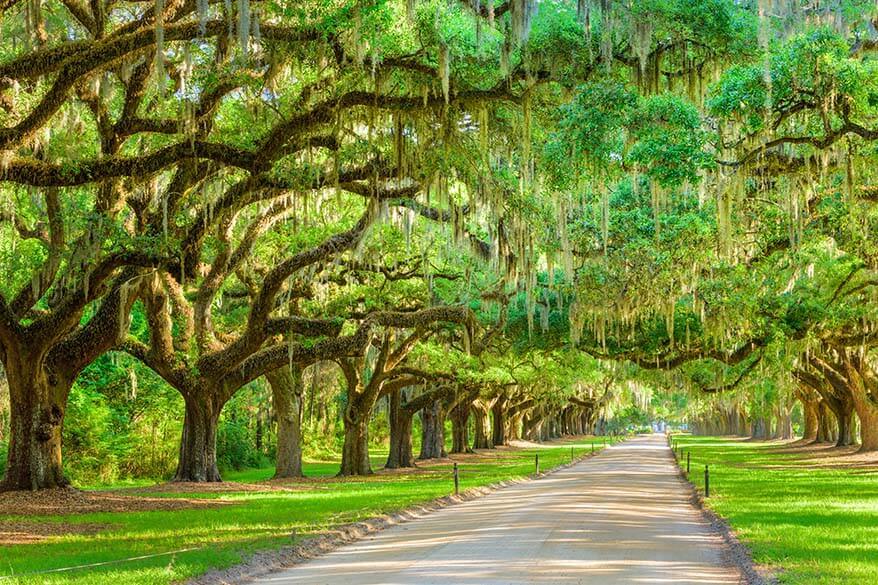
250	520
816	525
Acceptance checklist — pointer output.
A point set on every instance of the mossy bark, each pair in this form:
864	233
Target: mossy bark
482	426
433	431
287	388
198	461
400	454
38	400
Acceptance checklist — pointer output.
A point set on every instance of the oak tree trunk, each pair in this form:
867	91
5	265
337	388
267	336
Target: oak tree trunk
532	425
845	420
498	429
355	452
482	426
513	426
785	426
432	431
810	418
287	388
760	428
827	427
400	454
867	411
197	461
459	429
37	400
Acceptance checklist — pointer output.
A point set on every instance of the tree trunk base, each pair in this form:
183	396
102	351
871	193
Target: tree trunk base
197	461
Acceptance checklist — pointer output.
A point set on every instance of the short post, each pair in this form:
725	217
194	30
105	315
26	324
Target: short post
592	447
706	481
537	462
571	454
688	461
456	480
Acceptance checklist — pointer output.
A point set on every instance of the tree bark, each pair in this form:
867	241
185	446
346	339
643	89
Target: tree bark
37	399
810	416
533	425
869	428
287	388
432	431
498	429
482	438
760	429
459	428
400	454
513	426
785	425
867	411
845	420
827	427
355	452
197	461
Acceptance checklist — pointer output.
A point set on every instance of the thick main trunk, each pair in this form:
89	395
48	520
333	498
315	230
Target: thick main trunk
355	452
760	428
785	426
583	423
482	426
827	428
400	454
845	420
459	428
811	419
544	430
513	426
37	401
589	421
868	428
532	425
198	443
287	388
498	429
867	411
432	431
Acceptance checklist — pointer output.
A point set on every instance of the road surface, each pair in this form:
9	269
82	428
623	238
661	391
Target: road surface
620	517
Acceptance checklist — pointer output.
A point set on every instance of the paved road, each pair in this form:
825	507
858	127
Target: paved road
620	517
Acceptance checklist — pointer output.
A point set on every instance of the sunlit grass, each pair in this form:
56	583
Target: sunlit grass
225	535
817	525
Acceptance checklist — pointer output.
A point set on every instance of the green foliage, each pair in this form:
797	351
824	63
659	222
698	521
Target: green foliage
669	141
235	447
608	127
94	449
122	423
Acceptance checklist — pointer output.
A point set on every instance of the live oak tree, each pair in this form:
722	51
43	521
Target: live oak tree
682	189
169	121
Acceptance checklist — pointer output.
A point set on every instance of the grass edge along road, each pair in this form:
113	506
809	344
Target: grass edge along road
244	520
803	518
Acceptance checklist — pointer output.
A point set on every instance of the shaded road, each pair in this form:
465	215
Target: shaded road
620	517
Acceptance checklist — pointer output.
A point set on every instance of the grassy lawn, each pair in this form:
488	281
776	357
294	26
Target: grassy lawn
817	525
249	519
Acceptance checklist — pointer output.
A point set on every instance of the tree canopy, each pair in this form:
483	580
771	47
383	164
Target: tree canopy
530	217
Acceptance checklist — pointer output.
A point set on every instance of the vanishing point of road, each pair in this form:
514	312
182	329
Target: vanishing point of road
622	516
